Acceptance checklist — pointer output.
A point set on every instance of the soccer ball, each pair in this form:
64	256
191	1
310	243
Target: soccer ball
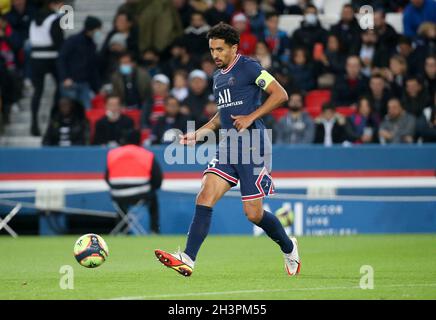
91	250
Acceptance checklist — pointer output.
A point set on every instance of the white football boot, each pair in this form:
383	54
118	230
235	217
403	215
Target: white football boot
292	260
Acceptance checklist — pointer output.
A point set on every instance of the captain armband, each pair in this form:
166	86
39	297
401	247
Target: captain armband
264	80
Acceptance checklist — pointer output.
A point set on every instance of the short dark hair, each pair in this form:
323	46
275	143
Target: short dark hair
225	32
271	14
129	54
112	96
328	106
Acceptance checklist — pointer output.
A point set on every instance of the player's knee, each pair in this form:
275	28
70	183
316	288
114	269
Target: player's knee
205	199
253	213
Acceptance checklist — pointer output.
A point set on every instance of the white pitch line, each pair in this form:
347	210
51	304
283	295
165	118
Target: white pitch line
197	294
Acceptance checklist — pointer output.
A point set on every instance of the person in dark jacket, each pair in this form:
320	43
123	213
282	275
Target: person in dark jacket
330	127
415	97
78	63
131	82
164	130
122	38
46	39
193	106
349	87
348	29
301	70
68	127
110	128
310	31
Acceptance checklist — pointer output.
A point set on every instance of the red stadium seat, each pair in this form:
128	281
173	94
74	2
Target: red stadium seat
346	111
279	113
314	101
98	102
93	115
135	115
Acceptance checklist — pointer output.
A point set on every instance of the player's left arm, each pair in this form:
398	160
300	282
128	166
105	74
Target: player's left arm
277	96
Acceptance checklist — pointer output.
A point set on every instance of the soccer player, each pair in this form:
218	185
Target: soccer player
237	89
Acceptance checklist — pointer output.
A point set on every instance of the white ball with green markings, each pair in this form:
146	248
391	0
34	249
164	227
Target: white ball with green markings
91	250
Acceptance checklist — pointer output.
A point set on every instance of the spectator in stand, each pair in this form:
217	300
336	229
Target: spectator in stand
68	127
430	75
276	39
217	13
416	13
372	53
310	32
426	124
19	18
277	6
263	55
155	106
9	80
131	83
363	125
348	29
331	61
415	97
184	10
165	130
123	37
378	96
427	39
297	127
195	35
180	89
46	39
301	70
110	129
396	75
398	125
159	24
150	61
414	58
199	94
78	63
247	42
386	34
349	87
255	16
180	59
330	127
208	66
209	112
281	74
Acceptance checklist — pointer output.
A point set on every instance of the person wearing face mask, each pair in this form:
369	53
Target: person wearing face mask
78	63
110	128
131	82
46	38
297	127
310	31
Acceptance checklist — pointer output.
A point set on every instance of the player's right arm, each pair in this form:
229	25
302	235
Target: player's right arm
191	138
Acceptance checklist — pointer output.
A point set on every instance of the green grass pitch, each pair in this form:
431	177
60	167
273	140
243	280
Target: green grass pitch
228	267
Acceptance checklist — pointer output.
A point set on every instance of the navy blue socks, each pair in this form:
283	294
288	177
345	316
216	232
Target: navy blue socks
198	230
274	229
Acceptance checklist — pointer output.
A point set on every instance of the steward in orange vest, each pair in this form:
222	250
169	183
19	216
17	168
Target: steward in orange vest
133	174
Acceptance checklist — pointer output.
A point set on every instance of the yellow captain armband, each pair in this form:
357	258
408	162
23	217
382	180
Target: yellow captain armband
264	79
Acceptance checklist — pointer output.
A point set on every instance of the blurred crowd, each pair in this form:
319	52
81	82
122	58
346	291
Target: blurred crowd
381	85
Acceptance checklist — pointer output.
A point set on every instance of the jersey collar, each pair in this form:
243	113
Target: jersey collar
224	71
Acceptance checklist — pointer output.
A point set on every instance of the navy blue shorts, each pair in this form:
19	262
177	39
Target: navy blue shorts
256	182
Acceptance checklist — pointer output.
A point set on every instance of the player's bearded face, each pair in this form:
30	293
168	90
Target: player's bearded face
222	53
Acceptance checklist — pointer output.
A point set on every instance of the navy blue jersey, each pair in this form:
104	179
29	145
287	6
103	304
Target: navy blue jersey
238	89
